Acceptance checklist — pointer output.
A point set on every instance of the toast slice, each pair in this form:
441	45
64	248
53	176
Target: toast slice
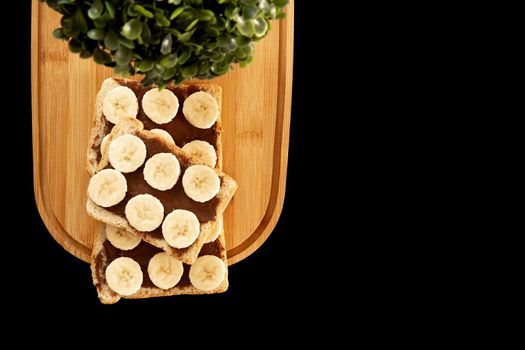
210	212
180	129
104	253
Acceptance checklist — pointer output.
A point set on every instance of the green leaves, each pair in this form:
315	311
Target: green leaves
59	34
189	72
250	12
227	43
74	24
165	46
260	26
132	29
192	24
96	9
127	43
110	8
122	70
184	55
246	28
166	40
112	41
101	57
145	65
140	9
220	68
177	12
169	61
96	34
280	3
123	56
162	20
205	15
75	46
184	38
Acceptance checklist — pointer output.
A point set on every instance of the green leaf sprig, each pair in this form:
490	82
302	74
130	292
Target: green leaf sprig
166	40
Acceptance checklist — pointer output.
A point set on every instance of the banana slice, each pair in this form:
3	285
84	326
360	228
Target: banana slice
144	212
124	276
164	270
201	110
181	228
127	153
161	106
207	272
201	183
120	103
104	143
215	230
165	135
107	188
162	171
121	239
203	151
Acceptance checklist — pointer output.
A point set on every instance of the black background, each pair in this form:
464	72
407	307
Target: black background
282	270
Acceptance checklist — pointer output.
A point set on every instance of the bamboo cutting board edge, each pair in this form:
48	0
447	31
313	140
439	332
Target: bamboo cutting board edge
275	205
280	156
50	221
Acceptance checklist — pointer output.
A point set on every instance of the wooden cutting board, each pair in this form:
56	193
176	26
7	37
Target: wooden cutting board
256	122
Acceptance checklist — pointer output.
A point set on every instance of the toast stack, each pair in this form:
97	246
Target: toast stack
158	190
